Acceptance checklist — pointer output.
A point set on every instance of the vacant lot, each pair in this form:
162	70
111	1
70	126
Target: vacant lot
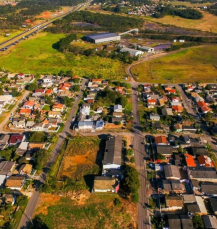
80	158
99	211
38	56
191	65
207	23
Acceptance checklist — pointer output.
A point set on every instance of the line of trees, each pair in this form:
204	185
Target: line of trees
112	23
185	13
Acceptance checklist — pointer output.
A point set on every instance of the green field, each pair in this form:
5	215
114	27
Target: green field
191	65
99	211
38	56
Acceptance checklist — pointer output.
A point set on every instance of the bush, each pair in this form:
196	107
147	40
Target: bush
22	200
38	137
135	197
132	160
129	152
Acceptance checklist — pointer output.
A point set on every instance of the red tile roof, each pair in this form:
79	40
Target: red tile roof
189	160
29	103
177	108
204	109
25	111
160	139
204	160
14	138
48	91
39	90
201	104
152	101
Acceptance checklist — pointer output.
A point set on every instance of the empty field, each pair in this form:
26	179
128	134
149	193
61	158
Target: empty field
207	23
191	65
98	211
80	158
38	56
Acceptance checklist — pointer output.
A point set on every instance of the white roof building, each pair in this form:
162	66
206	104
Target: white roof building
99	125
118	108
132	52
2	179
85	110
147	49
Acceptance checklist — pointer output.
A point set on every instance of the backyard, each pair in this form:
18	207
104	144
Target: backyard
190	65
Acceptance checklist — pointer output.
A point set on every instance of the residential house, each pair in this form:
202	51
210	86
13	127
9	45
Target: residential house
16	138
175	99
52	122
174	222
85	125
25	169
201	104
193	208
39	92
113	152
151	103
205	110
166	186
174	203
2	179
6	167
23	147
198	150
48	79
99	125
85	109
154	117
186	222
15	182
161	102
54	114
58	107
165	150
205	161
117	114
176	104
178	127
203	174
161	140
63	94
189	128
105	184
25	112
189	198
19	122
118	108
120	90
189	160
30	124
117	120
210	221
48	92
8	199
209	188
4	139
177	109
167	111
177	186
35	146
97	81
172	172
28	105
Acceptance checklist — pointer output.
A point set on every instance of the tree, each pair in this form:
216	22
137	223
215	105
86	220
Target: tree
67	101
198	222
208	116
41	159
22	200
129	152
37	136
76	80
76	88
32	87
160	156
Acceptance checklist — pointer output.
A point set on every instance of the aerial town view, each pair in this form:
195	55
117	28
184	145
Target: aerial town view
108	114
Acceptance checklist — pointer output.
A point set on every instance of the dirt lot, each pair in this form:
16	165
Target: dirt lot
80	158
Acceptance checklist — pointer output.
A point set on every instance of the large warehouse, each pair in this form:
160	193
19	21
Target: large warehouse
102	37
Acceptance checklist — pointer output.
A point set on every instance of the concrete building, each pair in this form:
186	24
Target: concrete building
113	152
102	37
132	52
147	49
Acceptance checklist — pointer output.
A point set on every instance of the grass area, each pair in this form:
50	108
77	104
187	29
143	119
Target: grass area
191	65
38	56
46	108
12	34
207	23
80	158
188	4
97	212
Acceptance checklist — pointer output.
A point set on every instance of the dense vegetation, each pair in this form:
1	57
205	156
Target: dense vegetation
185	13
212	9
103	22
12	17
132	183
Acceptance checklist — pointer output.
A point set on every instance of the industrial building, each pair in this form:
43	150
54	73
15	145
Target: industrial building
102	37
132	52
147	49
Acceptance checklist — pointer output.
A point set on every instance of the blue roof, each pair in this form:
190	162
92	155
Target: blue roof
101	35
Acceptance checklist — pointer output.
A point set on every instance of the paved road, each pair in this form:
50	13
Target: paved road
139	154
10	43
26	218
5	121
